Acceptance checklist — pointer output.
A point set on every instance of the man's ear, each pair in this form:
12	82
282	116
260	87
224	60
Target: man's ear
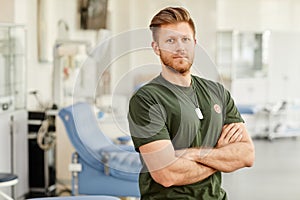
155	47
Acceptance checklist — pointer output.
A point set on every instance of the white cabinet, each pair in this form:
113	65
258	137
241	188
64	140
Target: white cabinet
242	60
21	151
12	67
260	67
284	66
13	115
5	150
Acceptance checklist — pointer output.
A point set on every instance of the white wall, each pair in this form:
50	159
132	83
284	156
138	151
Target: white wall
258	15
7	11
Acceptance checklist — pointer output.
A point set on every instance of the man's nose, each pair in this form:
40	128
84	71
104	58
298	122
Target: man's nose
179	46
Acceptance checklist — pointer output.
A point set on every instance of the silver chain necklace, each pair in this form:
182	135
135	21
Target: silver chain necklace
194	94
194	99
196	103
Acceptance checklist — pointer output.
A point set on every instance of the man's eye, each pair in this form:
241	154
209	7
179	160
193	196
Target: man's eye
170	40
186	39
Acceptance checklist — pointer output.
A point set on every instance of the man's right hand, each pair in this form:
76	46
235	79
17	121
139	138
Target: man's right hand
230	133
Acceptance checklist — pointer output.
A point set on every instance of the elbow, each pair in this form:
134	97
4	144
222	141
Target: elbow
251	157
246	160
163	179
250	161
165	183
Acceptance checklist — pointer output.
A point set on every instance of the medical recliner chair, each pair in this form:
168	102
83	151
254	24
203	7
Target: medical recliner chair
99	166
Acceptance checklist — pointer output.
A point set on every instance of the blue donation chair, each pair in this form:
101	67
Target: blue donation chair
99	167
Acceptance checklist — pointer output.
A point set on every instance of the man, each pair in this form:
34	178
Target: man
187	129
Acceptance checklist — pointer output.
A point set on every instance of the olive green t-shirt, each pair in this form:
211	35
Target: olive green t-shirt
161	110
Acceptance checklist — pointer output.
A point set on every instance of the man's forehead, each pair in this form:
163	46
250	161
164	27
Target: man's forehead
180	28
172	32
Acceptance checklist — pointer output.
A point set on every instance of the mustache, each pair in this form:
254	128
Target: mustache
180	54
176	53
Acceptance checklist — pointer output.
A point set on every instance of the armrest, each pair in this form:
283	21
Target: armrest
124	139
118	148
121	162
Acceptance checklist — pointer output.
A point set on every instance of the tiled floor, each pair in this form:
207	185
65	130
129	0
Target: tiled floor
274	176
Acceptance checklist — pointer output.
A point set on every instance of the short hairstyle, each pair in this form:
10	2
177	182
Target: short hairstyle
170	15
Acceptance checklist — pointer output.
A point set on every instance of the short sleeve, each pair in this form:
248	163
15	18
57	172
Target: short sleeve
147	120
232	114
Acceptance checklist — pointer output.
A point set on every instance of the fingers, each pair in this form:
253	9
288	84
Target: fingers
236	136
231	133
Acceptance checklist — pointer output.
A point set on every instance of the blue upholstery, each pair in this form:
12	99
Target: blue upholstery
95	150
247	109
95	182
5	177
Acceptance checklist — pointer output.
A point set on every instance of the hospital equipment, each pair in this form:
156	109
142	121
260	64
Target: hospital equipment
273	120
41	148
69	55
99	166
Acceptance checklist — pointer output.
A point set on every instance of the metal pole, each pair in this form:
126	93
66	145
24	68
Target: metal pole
12	157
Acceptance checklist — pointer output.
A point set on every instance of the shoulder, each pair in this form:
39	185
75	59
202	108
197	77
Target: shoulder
209	84
155	89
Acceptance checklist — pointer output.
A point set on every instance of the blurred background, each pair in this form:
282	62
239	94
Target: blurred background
54	53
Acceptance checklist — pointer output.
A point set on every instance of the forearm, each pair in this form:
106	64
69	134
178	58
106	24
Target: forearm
230	157
234	149
226	159
182	172
168	169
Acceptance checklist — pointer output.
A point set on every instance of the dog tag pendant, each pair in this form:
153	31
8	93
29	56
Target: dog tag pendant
199	113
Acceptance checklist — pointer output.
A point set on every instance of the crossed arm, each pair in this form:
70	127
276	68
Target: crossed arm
168	167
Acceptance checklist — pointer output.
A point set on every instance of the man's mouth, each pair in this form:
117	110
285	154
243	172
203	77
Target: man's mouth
177	56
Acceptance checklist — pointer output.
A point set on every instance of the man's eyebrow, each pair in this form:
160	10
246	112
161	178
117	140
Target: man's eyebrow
176	34
185	35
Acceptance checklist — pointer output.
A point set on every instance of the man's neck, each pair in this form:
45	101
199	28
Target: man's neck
176	78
